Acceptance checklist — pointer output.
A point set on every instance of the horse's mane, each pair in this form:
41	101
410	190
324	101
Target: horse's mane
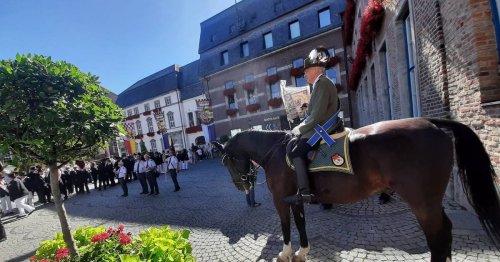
262	137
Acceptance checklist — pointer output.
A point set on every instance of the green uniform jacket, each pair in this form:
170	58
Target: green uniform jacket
323	104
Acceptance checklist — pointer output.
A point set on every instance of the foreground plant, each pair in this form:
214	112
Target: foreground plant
99	244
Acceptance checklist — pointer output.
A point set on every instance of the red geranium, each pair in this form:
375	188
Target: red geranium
100	237
62	254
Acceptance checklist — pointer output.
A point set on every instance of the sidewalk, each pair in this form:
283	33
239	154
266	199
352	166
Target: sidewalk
223	228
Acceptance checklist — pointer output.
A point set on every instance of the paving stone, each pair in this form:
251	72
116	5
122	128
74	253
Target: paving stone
223	228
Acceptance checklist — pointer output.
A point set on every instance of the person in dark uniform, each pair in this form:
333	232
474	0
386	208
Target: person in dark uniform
323	104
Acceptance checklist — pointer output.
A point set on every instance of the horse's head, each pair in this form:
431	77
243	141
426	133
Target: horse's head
240	167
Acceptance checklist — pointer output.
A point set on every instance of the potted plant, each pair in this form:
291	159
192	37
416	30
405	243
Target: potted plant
253	107
275	102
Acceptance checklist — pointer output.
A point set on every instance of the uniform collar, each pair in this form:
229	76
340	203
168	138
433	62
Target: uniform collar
317	79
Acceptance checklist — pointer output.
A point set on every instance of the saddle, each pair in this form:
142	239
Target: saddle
326	157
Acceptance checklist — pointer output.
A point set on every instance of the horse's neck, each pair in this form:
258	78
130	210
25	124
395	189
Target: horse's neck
261	150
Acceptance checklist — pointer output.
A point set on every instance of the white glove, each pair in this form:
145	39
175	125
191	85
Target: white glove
296	131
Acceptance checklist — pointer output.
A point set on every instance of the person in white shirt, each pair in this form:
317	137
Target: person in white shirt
172	165
122	173
141	175
149	167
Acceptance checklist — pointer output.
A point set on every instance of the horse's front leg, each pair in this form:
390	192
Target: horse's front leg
284	214
300	221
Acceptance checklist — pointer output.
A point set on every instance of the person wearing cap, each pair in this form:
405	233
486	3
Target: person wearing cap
323	106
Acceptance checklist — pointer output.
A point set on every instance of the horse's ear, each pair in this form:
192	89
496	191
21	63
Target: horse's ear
218	146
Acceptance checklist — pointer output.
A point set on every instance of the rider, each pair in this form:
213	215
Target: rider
323	106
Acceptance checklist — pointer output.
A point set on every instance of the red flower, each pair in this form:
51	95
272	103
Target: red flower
62	253
33	259
100	237
124	239
44	260
120	227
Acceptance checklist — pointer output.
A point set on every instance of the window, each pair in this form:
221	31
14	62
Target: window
387	104
136	110
249	78
231	104
168	100
299	80
332	74
271	71
411	59
331	52
275	89
224	58
251	97
245	51
170	117
153	146
157	104
149	121
191	119
146	107
268	40
129	112
139	127
294	29
324	17
228	85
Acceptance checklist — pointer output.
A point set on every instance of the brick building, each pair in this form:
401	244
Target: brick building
248	48
434	58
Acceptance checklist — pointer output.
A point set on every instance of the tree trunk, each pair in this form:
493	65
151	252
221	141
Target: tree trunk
61	211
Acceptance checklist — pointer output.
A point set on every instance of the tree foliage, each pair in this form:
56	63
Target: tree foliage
52	112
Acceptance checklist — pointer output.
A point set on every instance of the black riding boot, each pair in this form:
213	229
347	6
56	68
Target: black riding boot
304	195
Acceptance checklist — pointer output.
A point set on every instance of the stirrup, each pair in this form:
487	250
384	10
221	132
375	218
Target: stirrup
299	199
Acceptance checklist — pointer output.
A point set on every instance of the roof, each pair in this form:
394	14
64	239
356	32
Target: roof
241	18
154	85
190	83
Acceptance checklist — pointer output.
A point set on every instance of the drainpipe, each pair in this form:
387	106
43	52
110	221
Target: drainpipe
181	114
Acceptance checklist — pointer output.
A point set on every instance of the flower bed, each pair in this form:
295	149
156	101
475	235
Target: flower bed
231	111
271	79
99	244
249	86
193	129
253	107
229	91
275	102
297	71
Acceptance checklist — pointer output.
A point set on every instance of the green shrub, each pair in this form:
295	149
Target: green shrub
99	244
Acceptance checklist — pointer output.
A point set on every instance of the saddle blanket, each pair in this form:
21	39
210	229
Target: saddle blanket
331	158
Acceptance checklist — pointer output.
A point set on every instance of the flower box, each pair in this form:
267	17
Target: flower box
151	134
249	86
193	129
139	136
157	110
147	113
275	102
271	79
231	111
253	107
229	92
158	132
115	244
332	62
297	71
339	87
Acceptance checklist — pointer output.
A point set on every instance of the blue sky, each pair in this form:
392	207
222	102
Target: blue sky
121	41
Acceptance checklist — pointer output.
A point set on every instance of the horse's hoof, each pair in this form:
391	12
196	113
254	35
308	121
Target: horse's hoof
296	258
279	259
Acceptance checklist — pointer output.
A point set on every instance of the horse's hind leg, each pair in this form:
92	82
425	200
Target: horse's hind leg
437	229
300	222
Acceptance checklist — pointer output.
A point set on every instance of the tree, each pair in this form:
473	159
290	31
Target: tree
51	112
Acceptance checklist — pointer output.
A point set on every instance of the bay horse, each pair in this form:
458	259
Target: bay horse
413	157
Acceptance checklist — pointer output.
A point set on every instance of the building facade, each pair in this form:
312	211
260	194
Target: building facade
432	58
157	99
247	49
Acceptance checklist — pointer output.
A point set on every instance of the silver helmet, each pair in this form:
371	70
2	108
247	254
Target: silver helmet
317	57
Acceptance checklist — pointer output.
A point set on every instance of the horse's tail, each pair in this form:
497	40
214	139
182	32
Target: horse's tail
477	175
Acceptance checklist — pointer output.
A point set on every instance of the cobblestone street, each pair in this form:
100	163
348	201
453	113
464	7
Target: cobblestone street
223	228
